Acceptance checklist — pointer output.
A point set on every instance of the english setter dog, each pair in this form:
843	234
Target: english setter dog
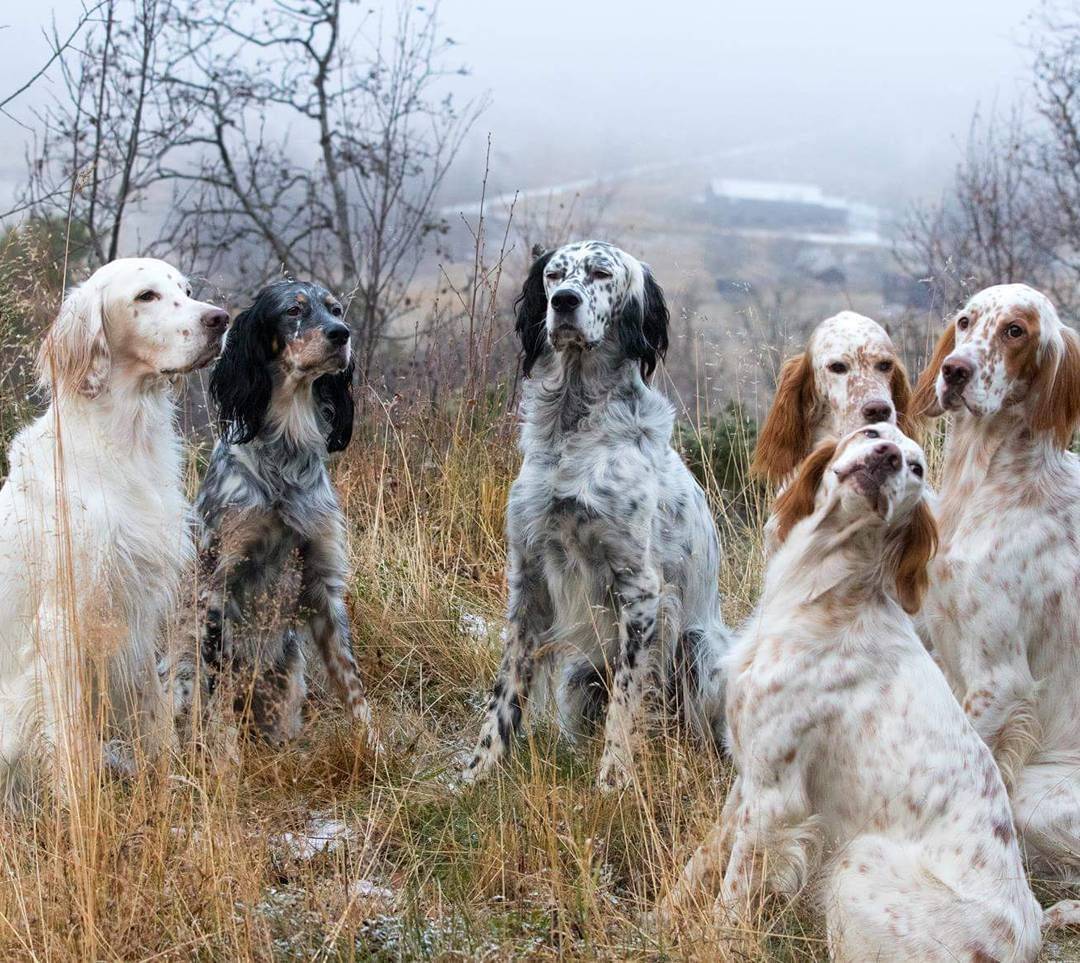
613	553
858	775
94	526
848	375
1003	610
272	551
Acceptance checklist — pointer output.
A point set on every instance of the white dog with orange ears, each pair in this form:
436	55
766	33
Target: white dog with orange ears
94	528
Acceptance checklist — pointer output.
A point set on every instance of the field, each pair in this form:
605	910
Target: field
323	851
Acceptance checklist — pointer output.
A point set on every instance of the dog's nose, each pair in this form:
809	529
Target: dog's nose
886	456
875	411
214	319
957	372
337	333
565	301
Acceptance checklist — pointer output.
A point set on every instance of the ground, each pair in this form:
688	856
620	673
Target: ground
324	851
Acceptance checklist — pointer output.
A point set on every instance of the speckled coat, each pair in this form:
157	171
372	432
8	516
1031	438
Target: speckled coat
858	774
1004	608
613	553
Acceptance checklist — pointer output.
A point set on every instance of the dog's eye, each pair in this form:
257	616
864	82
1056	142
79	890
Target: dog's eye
554	275
885	366
335	310
962	323
1014	331
917	469
295	311
147	296
872	433
838	367
601	274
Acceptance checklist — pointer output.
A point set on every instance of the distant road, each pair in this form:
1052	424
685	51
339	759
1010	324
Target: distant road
504	200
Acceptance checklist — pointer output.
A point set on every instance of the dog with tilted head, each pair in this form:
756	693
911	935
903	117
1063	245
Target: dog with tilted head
273	562
613	553
94	527
860	783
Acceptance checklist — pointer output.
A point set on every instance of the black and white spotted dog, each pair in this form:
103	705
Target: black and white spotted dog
272	550
613	553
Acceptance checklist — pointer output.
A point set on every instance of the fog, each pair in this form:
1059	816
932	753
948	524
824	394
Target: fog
868	99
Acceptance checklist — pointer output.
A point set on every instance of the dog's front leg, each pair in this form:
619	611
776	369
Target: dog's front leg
529	616
636	594
323	596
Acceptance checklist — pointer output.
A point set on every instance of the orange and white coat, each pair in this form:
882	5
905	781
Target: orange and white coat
858	776
1003	610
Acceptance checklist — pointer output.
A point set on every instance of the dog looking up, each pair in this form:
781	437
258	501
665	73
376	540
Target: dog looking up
859	779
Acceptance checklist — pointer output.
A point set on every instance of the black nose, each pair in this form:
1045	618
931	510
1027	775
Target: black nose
957	372
875	411
214	319
565	301
887	456
337	333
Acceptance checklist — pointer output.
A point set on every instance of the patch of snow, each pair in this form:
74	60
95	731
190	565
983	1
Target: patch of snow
474	625
366	889
322	835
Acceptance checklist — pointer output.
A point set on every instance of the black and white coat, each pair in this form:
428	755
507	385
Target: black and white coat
613	552
272	549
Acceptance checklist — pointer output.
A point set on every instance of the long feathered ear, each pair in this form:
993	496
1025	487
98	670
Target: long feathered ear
1057	392
900	388
531	308
334	397
924	403
784	440
642	325
920	539
796	501
75	357
241	382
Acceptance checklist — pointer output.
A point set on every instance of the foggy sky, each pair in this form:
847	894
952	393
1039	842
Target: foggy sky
867	98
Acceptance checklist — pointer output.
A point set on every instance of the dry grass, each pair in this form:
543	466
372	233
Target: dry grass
203	862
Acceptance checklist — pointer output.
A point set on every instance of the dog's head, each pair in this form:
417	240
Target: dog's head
293	337
132	318
849	375
1005	348
876	476
589	294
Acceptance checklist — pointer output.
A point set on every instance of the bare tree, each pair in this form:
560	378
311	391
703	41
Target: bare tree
989	227
1012	212
105	135
321	140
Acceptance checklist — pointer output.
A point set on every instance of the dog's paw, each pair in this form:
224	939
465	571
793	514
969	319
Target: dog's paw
615	774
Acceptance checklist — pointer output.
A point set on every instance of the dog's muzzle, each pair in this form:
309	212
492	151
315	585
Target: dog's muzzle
872	471
565	331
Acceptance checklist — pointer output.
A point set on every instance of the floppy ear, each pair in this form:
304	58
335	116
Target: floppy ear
334	397
241	382
796	501
531	307
784	440
924	403
75	358
900	388
919	544
643	325
1057	391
